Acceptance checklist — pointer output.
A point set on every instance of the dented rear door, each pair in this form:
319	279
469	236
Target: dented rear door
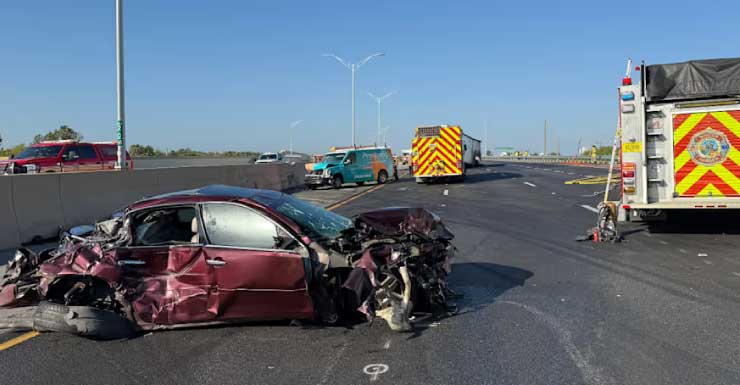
168	285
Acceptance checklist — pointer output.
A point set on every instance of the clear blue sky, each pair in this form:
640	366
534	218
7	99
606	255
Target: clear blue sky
215	75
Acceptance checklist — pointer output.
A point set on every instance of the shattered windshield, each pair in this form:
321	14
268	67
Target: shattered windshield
316	222
334	158
39	152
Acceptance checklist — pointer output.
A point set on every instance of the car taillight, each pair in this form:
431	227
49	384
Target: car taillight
628	178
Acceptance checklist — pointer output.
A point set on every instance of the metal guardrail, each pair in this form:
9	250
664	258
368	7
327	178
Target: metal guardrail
601	160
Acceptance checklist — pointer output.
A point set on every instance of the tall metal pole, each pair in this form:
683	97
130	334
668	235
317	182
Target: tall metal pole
354	120
545	137
353	68
379	100
292	131
380	103
122	163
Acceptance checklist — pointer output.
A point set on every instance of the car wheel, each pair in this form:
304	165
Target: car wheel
311	186
337	181
82	320
382	177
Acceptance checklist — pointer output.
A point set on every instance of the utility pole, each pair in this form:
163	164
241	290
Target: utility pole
353	68
545	137
558	145
122	163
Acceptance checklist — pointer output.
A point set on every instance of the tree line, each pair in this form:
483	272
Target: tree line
65	132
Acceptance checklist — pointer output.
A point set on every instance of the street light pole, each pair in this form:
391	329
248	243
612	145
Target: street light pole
122	163
292	130
379	100
353	68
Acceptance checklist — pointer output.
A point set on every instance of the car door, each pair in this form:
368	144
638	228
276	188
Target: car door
349	170
255	277
164	269
88	158
70	159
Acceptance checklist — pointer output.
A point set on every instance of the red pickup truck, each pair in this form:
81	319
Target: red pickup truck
64	156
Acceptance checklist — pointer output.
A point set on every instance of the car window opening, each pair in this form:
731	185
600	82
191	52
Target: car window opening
165	227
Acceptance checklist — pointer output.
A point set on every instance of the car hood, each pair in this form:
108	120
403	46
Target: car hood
395	221
321	166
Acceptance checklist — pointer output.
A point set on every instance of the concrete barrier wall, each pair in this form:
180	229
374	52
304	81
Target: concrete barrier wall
35	206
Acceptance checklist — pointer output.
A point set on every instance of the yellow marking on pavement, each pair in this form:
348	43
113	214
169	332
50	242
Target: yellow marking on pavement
353	197
592	180
18	340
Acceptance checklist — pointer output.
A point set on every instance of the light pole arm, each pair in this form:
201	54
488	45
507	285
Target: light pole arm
339	59
367	59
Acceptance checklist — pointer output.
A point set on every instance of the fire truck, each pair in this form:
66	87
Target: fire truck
680	138
443	152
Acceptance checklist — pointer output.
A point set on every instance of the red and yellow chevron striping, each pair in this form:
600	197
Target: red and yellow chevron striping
706	156
438	155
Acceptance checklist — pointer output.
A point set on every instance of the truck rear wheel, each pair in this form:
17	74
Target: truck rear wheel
382	177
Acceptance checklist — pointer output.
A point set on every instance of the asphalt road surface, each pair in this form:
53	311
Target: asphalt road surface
662	307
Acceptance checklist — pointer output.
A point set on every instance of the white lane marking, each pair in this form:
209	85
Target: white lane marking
571	173
374	370
590	373
589	208
333	363
530	184
445	192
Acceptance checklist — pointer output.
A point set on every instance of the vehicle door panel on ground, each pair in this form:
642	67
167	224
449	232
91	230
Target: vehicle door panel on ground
166	268
258	267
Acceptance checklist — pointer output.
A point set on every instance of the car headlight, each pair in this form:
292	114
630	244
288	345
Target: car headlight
326	173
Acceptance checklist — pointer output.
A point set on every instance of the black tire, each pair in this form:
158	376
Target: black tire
382	177
337	181
51	317
360	183
311	186
82	320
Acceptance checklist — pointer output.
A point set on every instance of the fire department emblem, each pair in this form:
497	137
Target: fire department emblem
709	147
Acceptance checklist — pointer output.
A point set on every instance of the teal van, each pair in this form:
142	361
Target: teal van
354	165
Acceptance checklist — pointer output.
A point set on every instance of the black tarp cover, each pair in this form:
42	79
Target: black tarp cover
696	79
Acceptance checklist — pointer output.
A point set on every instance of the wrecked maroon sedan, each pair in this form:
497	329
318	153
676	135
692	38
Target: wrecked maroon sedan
223	254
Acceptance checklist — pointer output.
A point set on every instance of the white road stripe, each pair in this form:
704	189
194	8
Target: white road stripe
530	184
589	208
445	192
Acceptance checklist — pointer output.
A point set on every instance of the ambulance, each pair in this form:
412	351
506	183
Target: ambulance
443	152
680	138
